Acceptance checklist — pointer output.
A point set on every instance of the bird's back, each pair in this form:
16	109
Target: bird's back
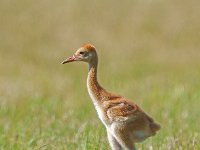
129	118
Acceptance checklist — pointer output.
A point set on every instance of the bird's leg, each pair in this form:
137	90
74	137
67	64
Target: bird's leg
123	137
113	142
126	144
134	148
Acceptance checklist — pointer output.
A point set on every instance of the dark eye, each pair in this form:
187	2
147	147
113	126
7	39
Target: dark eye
82	53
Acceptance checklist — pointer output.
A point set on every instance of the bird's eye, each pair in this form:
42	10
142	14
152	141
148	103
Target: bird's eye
81	53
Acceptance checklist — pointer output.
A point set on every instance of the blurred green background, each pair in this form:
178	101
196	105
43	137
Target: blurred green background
149	51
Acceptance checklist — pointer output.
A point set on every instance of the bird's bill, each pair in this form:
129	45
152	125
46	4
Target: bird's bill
69	59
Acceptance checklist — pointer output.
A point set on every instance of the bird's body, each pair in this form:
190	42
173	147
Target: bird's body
125	122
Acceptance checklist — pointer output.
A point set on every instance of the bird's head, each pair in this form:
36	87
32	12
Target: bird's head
85	53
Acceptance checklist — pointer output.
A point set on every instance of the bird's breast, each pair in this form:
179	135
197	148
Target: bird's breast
99	109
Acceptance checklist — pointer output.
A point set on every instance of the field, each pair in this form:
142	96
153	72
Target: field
149	52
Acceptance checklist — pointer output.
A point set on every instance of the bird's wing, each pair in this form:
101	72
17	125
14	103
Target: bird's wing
122	109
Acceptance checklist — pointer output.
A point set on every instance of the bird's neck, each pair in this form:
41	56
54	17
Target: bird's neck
93	86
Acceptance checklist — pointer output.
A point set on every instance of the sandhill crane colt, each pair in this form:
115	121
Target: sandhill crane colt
125	122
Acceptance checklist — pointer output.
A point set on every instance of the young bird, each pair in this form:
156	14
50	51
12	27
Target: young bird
125	122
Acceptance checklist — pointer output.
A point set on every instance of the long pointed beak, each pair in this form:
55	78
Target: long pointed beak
70	59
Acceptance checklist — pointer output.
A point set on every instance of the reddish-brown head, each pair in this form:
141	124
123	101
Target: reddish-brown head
85	53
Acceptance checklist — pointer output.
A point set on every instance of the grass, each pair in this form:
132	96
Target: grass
148	52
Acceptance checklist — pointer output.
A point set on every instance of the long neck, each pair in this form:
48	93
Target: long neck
93	86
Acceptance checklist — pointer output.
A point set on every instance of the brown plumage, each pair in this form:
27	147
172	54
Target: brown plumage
125	122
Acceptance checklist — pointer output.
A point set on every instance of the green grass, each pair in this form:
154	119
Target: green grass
148	52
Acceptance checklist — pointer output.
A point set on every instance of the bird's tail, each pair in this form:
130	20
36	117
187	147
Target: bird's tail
154	126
